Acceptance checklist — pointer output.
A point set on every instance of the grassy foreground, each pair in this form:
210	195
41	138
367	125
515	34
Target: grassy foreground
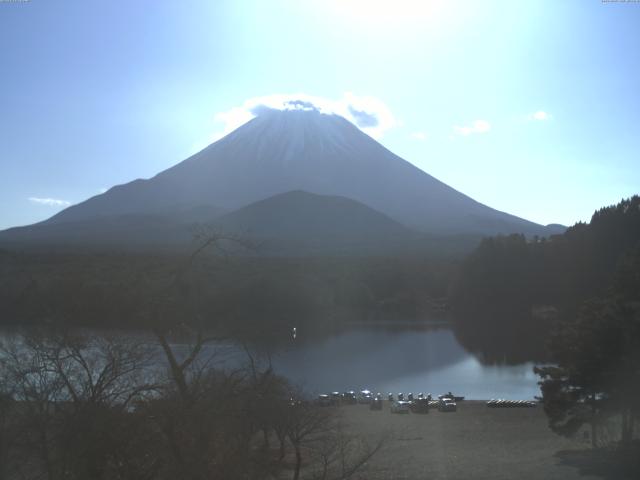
476	442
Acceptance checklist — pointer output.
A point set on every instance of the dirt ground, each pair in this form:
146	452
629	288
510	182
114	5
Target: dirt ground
476	442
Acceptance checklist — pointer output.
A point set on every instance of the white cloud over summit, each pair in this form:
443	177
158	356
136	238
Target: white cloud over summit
370	114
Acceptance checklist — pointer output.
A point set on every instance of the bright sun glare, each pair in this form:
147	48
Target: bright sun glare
389	12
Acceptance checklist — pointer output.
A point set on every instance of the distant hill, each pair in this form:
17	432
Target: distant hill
304	222
554	229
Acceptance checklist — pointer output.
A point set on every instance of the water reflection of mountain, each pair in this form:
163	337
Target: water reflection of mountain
417	359
370	356
505	345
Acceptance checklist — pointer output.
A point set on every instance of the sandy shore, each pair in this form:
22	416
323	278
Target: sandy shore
476	442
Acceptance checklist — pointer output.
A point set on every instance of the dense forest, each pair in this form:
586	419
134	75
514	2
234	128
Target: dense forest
239	295
509	292
594	377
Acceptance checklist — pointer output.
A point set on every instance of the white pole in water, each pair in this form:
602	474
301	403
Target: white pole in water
294	333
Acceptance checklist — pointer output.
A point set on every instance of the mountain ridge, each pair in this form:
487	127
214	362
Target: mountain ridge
295	223
284	151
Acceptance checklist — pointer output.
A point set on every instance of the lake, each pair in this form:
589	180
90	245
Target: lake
399	359
406	357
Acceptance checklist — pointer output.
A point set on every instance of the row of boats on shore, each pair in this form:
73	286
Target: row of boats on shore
501	403
419	403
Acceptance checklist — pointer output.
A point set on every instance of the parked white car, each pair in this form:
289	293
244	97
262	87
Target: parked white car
400	407
447	405
365	396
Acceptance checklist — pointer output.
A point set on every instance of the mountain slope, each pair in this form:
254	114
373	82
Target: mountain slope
281	151
290	223
173	228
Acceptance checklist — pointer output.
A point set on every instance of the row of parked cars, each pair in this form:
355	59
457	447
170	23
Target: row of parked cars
348	398
423	403
419	403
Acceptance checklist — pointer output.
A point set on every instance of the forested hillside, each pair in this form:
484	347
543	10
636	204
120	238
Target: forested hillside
510	289
249	295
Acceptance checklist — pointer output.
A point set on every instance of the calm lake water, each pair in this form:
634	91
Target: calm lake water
396	360
384	358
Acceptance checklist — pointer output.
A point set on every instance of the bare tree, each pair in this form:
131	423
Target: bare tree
73	395
340	455
305	423
7	433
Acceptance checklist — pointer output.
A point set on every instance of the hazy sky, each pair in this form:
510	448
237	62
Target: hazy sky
529	107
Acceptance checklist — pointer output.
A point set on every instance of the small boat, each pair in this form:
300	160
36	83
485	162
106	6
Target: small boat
501	403
451	396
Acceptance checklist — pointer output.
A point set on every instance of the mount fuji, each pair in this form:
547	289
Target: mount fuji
279	151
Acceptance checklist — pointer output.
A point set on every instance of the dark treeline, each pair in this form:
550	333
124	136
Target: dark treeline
116	408
510	290
595	376
238	295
